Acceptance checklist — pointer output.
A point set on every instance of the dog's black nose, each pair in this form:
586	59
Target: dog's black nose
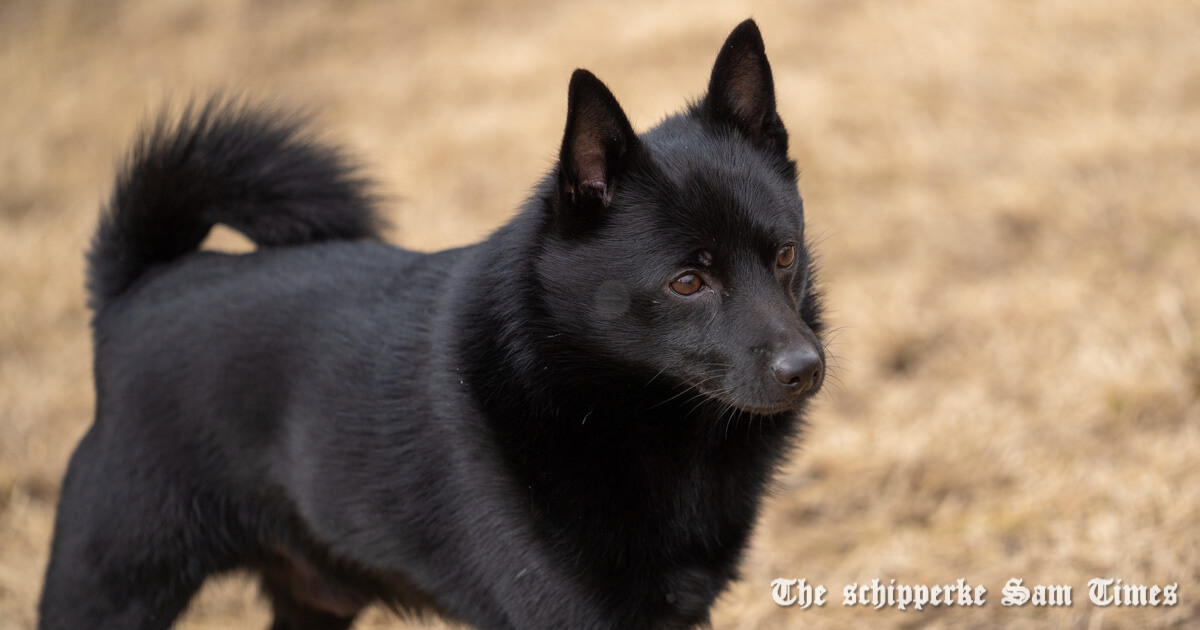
800	369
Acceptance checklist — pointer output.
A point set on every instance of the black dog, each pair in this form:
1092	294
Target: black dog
568	425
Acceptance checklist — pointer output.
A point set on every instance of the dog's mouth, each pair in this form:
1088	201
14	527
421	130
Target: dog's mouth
754	402
760	409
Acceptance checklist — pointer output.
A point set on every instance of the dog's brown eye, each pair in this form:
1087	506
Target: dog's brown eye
785	256
687	284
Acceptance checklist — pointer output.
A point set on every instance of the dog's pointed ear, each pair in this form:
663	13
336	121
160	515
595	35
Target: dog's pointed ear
741	91
597	147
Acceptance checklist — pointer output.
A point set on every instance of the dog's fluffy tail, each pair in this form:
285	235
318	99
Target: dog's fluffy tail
252	169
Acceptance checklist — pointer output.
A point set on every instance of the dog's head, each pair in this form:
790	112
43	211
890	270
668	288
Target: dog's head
680	254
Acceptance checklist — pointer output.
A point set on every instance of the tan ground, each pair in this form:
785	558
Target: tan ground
1008	201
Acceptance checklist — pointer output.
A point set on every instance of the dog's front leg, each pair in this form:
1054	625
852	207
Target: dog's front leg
456	531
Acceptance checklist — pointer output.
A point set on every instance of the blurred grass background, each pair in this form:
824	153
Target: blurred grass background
1006	197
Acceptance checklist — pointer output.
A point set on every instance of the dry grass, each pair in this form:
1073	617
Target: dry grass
1008	196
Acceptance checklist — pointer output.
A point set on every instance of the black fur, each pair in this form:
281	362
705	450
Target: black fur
251	169
536	431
